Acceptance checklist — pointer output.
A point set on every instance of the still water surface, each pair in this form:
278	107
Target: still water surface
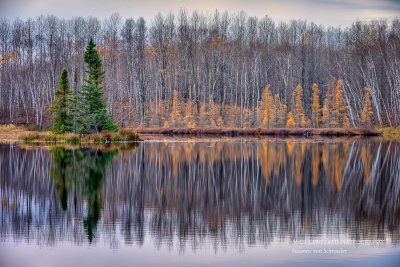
202	202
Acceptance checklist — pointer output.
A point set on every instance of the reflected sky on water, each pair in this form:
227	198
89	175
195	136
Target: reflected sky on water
229	202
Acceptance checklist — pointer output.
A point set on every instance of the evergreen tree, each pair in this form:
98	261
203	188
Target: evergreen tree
93	116
73	107
59	107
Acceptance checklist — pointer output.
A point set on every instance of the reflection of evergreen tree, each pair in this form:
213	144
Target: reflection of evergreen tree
61	159
85	169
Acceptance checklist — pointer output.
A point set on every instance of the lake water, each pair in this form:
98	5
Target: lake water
202	202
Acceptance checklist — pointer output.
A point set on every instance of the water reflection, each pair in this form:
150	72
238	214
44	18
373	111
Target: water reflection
85	169
192	194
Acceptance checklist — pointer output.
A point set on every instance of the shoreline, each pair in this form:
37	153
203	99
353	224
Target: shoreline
12	133
258	132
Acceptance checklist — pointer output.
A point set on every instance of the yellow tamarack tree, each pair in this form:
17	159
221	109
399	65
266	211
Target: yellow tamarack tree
316	107
267	102
335	114
276	111
282	115
175	114
214	112
274	115
220	121
325	120
367	112
299	117
290	123
189	120
339	110
203	116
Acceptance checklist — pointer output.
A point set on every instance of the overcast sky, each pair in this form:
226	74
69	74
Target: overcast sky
325	12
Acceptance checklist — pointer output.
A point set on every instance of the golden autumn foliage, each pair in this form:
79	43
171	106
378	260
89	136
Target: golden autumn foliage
290	123
339	110
267	103
189	119
325	120
367	112
278	118
213	114
334	111
282	115
203	116
367	158
216	43
176	118
269	112
299	117
316	107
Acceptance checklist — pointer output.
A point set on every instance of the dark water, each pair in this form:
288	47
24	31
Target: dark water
231	203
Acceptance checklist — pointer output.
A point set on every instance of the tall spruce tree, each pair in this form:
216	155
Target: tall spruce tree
74	101
59	107
93	116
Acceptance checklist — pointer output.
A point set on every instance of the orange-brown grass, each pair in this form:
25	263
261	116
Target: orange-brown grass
103	147
10	132
124	135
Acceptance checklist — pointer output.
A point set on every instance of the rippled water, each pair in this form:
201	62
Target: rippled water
202	202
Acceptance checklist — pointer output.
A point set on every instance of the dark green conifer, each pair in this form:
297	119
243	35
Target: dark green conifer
94	117
59	107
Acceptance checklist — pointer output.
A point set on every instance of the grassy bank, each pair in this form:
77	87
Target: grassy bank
11	133
105	137
283	132
392	133
130	146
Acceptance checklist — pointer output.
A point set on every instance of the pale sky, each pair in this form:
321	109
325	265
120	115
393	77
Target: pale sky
325	12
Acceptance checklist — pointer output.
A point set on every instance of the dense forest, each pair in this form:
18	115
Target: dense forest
196	70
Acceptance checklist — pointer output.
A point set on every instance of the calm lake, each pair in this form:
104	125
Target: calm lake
202	202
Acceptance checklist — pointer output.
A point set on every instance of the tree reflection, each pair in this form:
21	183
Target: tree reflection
85	169
191	194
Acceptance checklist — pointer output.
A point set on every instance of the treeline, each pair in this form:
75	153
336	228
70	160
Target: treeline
194	70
